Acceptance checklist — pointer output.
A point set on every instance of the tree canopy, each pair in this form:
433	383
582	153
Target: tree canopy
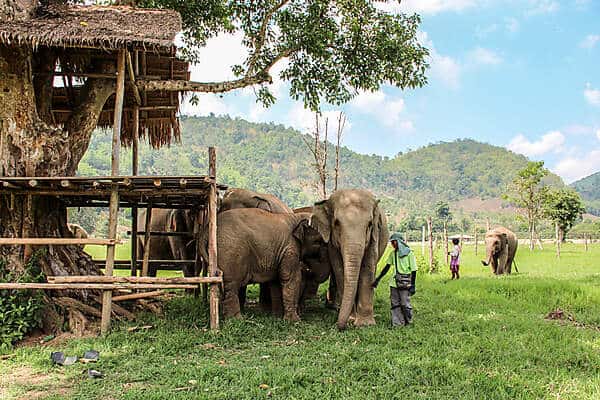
332	48
563	207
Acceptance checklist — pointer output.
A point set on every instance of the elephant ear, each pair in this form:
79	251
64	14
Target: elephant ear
379	233
262	203
300	229
320	220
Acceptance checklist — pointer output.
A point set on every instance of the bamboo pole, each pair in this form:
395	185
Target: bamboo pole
585	241
476	241
430	227
147	243
212	238
557	234
134	172
114	195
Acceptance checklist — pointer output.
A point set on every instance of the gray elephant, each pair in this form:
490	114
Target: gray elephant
169	247
184	247
501	246
243	198
78	232
256	246
355	228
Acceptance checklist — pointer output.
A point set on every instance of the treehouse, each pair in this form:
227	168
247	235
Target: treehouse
72	68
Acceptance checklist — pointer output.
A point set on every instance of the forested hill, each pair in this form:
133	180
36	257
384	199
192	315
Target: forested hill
275	159
589	187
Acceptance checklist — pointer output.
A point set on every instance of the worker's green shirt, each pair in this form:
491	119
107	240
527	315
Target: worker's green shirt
404	265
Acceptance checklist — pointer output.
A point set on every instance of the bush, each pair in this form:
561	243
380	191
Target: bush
423	262
20	310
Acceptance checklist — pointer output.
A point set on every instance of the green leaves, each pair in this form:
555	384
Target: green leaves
334	48
564	207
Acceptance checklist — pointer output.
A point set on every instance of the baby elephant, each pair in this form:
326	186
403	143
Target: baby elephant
256	246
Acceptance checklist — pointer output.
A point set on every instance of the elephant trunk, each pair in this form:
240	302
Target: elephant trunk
352	256
489	257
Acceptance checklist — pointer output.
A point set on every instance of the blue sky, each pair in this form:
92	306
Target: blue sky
523	74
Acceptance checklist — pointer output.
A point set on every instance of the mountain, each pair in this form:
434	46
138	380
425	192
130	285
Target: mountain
589	188
273	158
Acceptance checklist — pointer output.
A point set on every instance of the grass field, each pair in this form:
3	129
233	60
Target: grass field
481	337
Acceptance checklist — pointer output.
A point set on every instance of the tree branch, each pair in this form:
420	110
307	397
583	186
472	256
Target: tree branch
203	87
260	38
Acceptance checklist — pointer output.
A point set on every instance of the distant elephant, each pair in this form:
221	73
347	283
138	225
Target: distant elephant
243	198
355	227
78	232
501	246
256	246
160	248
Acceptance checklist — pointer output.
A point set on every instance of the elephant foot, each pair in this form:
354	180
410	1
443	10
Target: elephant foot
364	321
232	315
291	317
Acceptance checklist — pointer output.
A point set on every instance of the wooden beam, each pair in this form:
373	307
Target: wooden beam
147	240
114	195
94	286
132	279
212	239
135	296
56	241
136	93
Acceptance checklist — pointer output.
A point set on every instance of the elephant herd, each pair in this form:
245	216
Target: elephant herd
288	252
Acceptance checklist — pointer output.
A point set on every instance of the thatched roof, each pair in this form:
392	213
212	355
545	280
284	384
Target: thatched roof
101	27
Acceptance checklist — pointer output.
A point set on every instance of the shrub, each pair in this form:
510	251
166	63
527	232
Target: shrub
423	262
19	309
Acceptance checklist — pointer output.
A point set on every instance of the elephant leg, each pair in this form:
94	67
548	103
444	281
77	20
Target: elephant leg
264	296
331	299
364	305
336	279
276	297
242	296
231	301
290	277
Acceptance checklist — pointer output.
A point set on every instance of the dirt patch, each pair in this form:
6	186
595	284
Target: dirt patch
475	204
29	384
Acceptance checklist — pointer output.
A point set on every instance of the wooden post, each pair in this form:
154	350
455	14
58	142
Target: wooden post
476	239
430	227
212	238
198	226
134	172
487	224
446	243
147	243
405	237
423	241
557	234
585	241
114	195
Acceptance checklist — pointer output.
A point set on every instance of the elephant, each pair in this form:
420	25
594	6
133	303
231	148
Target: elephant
501	246
78	232
354	226
256	246
169	247
183	247
243	198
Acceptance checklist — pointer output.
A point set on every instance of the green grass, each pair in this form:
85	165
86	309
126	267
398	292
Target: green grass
481	337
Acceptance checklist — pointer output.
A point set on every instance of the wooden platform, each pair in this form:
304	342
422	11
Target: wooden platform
162	191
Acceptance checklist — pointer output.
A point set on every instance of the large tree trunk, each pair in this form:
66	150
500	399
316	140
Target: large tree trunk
30	146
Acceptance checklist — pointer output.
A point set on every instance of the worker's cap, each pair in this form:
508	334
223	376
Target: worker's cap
397	237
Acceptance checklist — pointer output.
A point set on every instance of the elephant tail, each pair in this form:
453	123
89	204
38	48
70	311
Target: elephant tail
203	248
515	264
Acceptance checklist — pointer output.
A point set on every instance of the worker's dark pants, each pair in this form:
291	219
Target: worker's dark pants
401	308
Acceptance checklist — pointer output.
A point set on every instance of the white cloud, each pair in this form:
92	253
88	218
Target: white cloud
444	68
207	104
543	6
592	95
590	41
598	134
430	6
574	168
389	111
512	25
304	120
484	56
550	142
